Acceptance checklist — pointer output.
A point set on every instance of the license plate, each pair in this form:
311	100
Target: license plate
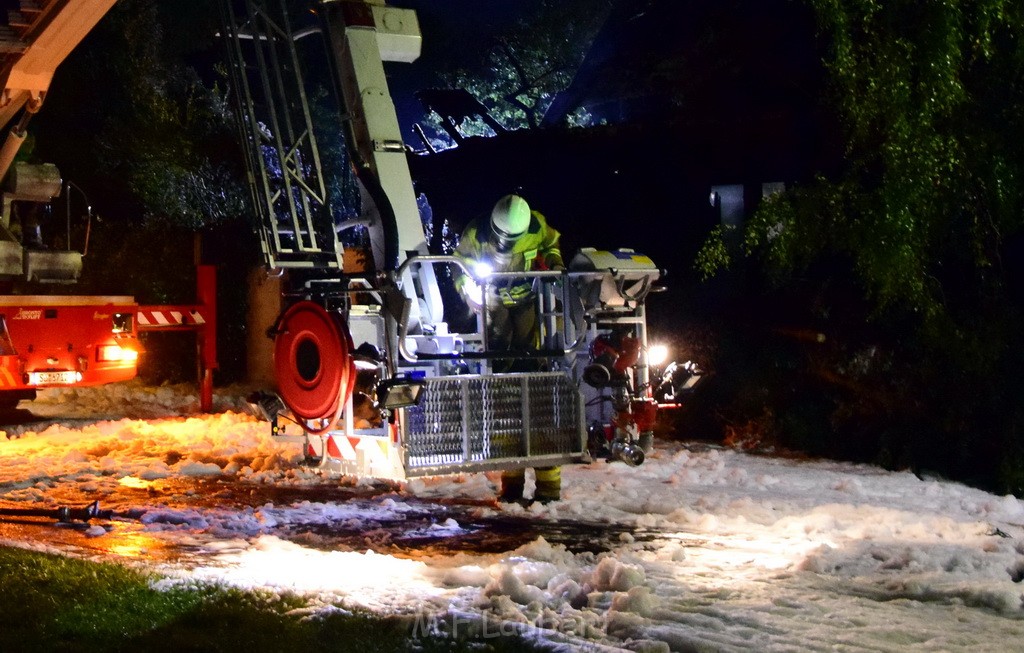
53	378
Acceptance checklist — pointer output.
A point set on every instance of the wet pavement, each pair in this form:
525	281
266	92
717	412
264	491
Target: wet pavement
417	529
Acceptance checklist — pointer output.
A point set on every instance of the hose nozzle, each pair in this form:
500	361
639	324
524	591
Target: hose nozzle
627	452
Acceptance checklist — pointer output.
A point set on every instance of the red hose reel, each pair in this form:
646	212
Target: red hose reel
313	364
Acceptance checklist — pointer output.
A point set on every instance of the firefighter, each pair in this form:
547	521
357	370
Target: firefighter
513	238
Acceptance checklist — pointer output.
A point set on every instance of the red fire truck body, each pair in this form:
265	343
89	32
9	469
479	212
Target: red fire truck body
55	340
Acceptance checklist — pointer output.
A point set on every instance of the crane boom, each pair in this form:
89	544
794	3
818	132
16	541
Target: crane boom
39	37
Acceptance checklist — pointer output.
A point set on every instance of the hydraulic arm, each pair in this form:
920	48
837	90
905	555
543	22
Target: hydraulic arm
41	34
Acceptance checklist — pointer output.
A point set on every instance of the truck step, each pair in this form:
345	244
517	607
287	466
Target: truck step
17	20
10	41
32	6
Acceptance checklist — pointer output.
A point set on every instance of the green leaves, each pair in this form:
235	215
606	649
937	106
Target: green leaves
169	138
525	65
190	196
930	188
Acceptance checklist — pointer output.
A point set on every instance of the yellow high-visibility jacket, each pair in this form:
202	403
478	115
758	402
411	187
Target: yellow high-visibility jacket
537	249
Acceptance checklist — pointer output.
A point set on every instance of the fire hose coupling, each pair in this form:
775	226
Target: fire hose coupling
628	452
63	514
66	514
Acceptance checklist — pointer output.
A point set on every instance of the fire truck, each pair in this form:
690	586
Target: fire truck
54	339
374	376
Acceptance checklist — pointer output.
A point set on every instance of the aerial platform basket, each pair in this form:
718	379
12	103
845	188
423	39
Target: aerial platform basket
466	423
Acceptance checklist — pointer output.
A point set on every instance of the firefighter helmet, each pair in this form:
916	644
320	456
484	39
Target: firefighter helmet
511	216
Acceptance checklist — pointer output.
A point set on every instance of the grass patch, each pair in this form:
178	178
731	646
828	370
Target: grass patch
54	603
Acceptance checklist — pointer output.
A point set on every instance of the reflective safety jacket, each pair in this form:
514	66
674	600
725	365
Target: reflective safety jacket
537	249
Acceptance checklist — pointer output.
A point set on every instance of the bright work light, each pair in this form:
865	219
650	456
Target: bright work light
657	354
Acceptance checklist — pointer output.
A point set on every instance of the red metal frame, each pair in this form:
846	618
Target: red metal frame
200	317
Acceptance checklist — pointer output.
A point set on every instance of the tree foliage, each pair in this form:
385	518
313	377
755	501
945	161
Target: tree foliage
167	133
910	247
526	64
931	96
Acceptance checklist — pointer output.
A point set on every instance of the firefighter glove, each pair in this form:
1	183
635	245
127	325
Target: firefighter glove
473	293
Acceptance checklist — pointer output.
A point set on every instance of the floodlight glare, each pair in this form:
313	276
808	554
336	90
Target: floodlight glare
657	354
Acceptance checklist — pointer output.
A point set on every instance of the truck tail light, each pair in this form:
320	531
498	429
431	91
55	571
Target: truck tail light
115	353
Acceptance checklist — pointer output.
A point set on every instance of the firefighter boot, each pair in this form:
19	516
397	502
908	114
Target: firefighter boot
512	482
549	484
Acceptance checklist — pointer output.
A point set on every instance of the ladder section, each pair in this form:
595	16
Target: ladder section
287	179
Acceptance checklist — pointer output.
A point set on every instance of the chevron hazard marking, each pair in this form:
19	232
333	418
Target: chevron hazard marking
7	379
154	319
348	452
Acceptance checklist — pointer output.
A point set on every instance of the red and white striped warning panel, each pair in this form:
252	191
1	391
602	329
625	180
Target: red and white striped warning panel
345	447
153	319
8	379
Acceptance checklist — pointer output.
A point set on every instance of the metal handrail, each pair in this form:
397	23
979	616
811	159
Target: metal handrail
485	283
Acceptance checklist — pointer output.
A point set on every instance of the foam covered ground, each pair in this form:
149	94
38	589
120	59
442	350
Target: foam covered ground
721	550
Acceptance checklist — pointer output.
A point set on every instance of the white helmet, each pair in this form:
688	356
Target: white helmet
510	218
